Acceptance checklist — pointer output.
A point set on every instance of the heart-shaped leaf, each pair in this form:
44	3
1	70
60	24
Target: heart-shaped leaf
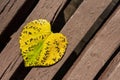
40	46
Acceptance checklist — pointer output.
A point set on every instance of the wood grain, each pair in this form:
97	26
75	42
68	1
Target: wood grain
113	70
8	9
10	57
75	29
97	52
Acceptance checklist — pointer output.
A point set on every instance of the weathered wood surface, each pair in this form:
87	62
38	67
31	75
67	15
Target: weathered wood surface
113	70
10	57
8	9
97	52
75	29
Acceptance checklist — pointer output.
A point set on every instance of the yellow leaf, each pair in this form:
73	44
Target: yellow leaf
39	46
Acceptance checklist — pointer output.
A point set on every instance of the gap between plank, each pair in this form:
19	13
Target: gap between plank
90	34
16	22
106	64
21	71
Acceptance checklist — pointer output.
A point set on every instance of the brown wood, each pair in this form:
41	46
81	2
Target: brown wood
97	52
1	1
113	70
75	29
91	60
10	57
8	9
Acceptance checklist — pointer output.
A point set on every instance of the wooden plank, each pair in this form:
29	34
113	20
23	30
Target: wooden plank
97	52
75	29
8	9
102	18
113	70
1	2
10	57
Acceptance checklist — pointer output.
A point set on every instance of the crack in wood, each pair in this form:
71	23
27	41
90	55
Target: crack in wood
4	7
12	5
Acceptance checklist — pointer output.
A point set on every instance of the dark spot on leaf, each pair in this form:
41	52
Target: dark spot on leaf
42	37
31	39
30	26
36	22
30	33
25	43
54	59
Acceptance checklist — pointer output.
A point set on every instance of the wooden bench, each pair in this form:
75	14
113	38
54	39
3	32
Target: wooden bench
92	31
